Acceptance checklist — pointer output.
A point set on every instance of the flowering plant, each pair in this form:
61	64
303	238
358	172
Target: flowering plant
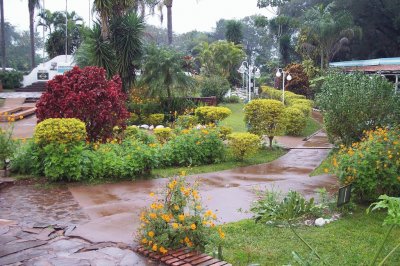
177	219
372	165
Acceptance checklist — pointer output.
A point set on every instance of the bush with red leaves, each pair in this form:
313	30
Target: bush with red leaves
85	94
299	83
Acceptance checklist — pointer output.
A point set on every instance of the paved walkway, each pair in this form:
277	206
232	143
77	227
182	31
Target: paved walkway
113	209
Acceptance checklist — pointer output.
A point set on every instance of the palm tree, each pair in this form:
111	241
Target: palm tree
46	20
3	39
168	4
32	4
329	32
104	7
163	72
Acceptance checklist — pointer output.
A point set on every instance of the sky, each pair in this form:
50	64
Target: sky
188	15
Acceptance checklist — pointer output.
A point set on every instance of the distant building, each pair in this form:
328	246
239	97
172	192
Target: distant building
389	67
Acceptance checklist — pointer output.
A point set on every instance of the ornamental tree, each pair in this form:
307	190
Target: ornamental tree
265	117
85	94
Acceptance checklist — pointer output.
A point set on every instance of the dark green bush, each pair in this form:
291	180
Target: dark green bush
352	103
193	147
11	79
214	86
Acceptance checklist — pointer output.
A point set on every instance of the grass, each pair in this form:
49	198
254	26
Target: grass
264	156
236	119
352	240
325	165
311	127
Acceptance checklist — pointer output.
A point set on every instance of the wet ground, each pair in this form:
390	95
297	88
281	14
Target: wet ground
114	209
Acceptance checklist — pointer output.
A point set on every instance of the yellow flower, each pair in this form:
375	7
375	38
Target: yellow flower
175	225
152	194
198	207
176	207
183	173
187	240
21	117
181	217
193	226
221	233
144	241
154	248
208	213
326	170
151	234
163	250
166	218
153	215
172	184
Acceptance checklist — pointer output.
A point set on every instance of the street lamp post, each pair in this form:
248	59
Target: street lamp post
284	74
249	71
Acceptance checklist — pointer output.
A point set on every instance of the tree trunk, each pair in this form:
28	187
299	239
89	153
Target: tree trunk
270	141
104	27
169	23
3	39
32	36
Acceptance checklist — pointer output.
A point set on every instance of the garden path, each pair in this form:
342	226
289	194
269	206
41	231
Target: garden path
113	209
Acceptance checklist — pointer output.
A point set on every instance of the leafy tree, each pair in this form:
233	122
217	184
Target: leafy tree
85	94
265	117
163	72
221	58
299	83
3	41
214	86
234	31
32	5
352	103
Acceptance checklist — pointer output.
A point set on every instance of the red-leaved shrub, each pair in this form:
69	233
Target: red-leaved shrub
85	94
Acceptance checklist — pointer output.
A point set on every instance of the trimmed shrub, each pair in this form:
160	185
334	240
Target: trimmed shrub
11	79
372	166
155	119
265	117
304	108
243	145
296	121
212	114
309	103
214	86
131	131
163	134
224	131
271	93
60	131
193	147
186	121
133	119
85	94
352	103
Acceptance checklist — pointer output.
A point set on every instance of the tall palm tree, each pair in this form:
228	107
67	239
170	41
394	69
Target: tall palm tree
46	20
168	4
3	39
104	7
32	4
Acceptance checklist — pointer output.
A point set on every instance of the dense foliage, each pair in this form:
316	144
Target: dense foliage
212	114
299	83
352	103
296	121
10	79
243	144
85	94
372	165
214	86
265	117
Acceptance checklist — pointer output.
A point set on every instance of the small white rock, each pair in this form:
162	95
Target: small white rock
151	127
320	222
160	126
144	126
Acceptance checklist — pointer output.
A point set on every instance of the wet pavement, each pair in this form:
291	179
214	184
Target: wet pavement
114	209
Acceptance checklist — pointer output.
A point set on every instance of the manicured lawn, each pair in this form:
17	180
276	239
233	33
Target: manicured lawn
326	164
263	156
236	119
311	127
352	240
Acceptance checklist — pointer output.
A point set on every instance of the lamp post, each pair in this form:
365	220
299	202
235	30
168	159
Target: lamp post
288	77
249	70
66	31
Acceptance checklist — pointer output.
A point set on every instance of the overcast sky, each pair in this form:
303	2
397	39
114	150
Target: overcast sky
188	15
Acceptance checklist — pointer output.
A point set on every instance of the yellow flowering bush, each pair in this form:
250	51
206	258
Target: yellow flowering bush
295	121
163	134
272	93
212	114
243	145
371	165
60	130
186	121
224	131
176	219
155	119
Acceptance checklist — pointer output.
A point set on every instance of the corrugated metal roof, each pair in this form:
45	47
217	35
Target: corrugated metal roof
375	69
372	62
